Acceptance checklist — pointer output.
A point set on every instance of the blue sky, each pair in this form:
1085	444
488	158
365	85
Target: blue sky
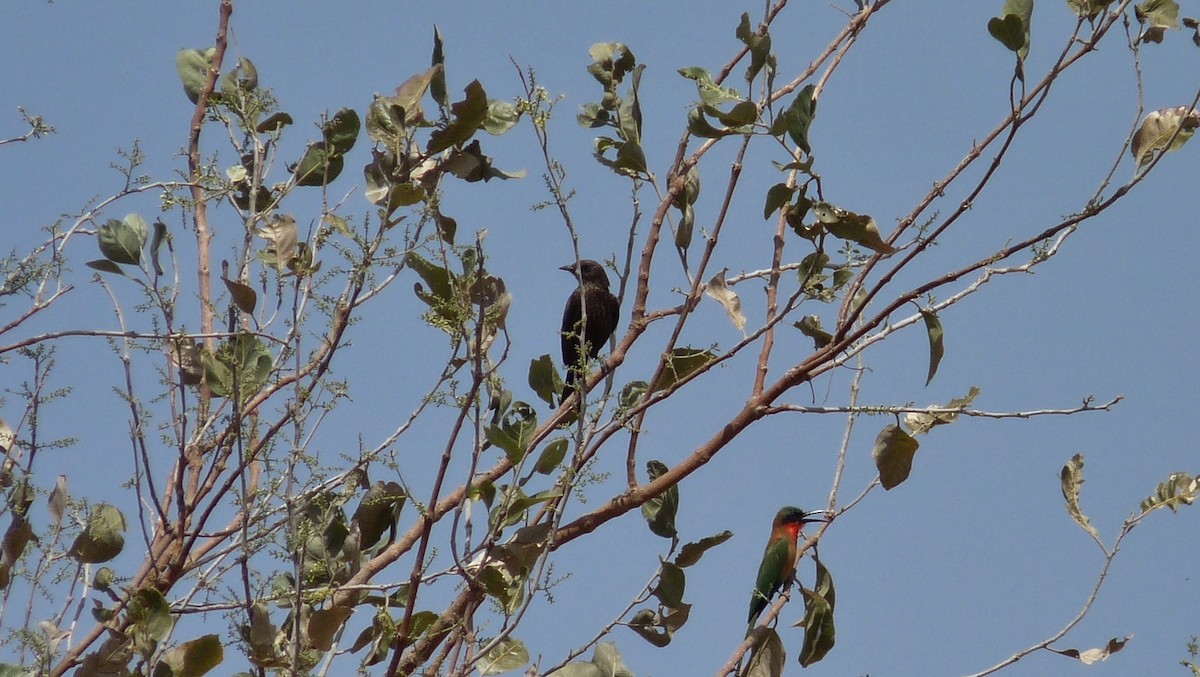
970	560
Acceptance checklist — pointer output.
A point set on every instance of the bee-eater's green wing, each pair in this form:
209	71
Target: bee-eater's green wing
769	579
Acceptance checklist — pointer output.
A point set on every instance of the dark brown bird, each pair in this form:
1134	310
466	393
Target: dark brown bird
584	333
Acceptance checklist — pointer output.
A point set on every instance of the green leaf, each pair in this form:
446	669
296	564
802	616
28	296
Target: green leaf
810	326
1071	479
122	241
447	227
631	393
384	190
16	538
777	196
846	225
58	499
468	115
611	62
671	583
629	116
1178	490
680	364
378	511
544	378
319	165
514	432
1089	9
501	117
194	657
491	295
274	123
302	264
499	437
690	189
387	121
649	626
102	538
608	659
411	91
691	553
795	213
156	242
241	363
470	164
368	635
379	183
1158	16
842	275
1011	28
1159	128
243	295
606	662
323	624
437	85
104	579
243	78
937	348
676	618
759	44
422	621
508	654
819	631
105	266
661	510
551	456
742	114
1193	24
21	497
893	453
631	158
797	119
439	279
183	353
699	126
150	614
260	633
516	506
341	131
767	656
592	116
217	375
812	268
711	94
193	66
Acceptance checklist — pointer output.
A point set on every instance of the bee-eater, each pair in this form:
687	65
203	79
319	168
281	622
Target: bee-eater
779	559
589	319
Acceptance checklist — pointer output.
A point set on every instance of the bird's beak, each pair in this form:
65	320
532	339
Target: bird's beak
817	516
570	268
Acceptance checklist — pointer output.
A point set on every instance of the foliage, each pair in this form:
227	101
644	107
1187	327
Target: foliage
363	561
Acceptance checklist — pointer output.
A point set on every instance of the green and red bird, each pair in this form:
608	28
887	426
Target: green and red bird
779	559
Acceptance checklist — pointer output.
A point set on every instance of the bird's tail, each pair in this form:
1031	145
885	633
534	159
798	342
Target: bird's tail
568	386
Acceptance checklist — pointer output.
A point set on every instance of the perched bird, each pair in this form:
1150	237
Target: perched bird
589	319
779	560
